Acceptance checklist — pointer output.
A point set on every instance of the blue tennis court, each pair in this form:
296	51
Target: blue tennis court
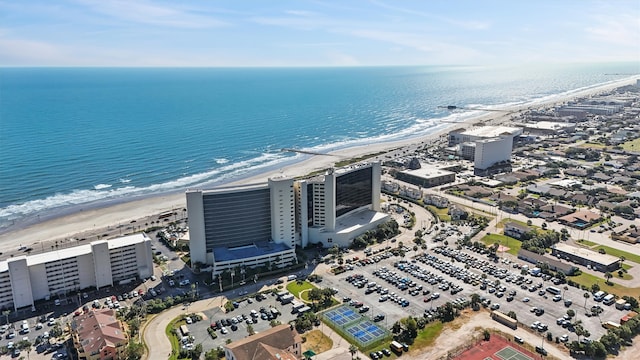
360	329
342	315
366	332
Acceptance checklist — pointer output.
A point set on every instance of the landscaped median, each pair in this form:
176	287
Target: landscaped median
309	293
300	289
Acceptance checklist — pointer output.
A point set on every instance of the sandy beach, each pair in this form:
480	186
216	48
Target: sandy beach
129	216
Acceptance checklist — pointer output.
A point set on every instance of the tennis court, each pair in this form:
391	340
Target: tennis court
342	316
358	328
497	348
510	353
366	332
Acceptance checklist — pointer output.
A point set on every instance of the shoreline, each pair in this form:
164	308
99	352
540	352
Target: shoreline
98	218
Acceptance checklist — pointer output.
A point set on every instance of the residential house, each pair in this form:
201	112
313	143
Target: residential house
412	193
554	211
99	335
599	176
516	230
580	219
440	202
576	172
457	213
281	342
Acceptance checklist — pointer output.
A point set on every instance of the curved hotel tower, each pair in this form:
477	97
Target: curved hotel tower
255	224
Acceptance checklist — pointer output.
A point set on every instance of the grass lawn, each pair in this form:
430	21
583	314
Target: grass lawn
295	288
633	145
587	243
442	213
175	343
427	336
615	252
514	245
593	145
588	280
317	341
507	220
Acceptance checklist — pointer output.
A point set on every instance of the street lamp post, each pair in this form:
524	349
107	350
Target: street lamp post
233	273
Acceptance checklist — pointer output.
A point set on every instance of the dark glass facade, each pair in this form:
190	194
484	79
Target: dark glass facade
237	218
309	204
353	190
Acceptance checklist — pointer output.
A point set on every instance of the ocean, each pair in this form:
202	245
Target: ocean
82	137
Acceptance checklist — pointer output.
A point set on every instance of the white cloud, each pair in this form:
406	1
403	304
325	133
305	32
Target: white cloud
464	24
144	12
624	29
300	12
24	52
342	59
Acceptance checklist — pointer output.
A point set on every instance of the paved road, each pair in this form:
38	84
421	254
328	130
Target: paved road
601	238
158	345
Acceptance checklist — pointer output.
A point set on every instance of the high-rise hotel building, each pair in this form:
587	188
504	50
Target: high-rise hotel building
262	223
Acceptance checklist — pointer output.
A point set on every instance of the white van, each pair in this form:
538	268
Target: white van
292	277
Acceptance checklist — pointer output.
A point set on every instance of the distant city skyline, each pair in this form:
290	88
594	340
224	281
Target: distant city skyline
316	33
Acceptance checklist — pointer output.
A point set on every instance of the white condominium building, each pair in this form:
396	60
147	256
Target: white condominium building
54	274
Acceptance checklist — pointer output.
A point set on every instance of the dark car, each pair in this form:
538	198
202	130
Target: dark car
541	351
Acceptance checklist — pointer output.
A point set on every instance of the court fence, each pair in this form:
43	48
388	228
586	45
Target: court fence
345	334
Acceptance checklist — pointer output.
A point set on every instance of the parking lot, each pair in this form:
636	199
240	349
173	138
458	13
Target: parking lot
257	314
424	280
62	310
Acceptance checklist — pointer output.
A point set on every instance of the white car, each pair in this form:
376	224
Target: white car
224	330
526	300
188	320
51	322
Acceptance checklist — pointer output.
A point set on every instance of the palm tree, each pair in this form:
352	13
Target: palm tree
586	296
353	350
608	276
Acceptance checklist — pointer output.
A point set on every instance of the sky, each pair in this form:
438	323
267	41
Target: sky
149	33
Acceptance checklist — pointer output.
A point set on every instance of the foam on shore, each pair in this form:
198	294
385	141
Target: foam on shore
93	220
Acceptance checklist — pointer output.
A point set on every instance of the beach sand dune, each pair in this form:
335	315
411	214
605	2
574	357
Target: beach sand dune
130	216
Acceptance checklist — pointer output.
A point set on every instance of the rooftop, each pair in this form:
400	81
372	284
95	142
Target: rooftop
428	171
75	251
596	257
353	220
582	215
492	131
98	329
548	125
248	251
279	337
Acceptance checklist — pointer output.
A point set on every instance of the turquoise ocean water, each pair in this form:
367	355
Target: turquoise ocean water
73	138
